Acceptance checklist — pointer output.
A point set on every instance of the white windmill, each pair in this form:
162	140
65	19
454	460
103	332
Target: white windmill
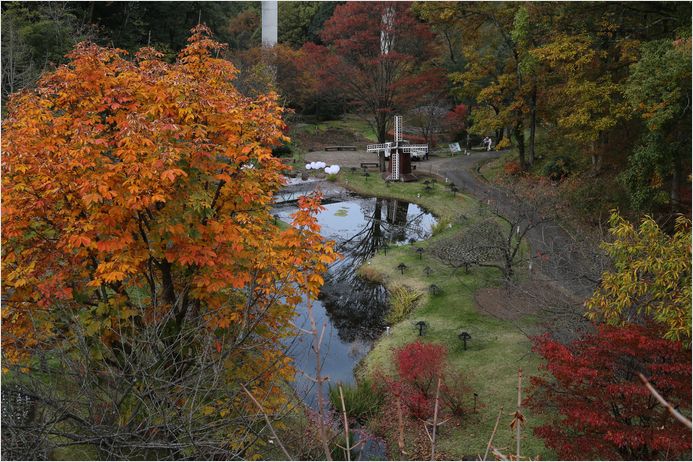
400	153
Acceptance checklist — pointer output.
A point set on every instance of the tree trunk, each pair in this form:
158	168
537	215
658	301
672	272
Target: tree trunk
519	132
597	154
596	162
381	132
676	181
90	19
380	127
509	269
532	123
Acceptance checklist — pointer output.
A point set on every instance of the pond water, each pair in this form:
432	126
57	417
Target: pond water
351	308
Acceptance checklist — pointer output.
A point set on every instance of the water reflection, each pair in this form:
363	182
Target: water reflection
352	308
357	306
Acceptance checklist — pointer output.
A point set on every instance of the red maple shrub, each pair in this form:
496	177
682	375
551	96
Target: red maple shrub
512	168
418	367
420	364
602	410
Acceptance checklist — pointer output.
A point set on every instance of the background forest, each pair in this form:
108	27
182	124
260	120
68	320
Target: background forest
599	92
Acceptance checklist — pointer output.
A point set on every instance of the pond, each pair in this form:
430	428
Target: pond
351	308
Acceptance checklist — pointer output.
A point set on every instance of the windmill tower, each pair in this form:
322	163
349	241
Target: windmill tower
399	152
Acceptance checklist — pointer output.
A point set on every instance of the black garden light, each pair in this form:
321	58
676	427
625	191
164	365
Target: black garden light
434	289
421	325
464	336
401	267
420	251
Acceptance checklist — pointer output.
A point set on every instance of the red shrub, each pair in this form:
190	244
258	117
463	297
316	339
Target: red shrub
604	412
456	120
419	365
512	168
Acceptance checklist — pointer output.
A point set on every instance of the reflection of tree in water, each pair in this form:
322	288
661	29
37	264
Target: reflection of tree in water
397	216
356	306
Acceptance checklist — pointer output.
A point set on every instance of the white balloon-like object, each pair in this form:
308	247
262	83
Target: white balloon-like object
316	165
331	170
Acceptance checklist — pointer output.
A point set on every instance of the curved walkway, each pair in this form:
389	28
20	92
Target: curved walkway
570	263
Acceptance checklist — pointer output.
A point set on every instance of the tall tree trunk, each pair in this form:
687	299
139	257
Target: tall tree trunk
596	162
381	127
90	18
598	147
532	123
519	133
381	132
676	181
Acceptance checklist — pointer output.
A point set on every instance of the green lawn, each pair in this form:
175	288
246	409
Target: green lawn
440	201
497	348
493	169
352	122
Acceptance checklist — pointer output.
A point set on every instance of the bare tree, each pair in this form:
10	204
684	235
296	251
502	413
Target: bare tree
153	395
22	62
319	380
494	241
18	69
427	120
561	266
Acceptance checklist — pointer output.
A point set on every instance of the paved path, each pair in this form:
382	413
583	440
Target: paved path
569	263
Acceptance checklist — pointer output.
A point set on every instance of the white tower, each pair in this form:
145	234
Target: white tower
269	23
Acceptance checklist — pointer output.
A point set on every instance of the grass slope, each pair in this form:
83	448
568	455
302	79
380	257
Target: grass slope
497	348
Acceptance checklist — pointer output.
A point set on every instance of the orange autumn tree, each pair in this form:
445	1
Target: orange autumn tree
142	268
